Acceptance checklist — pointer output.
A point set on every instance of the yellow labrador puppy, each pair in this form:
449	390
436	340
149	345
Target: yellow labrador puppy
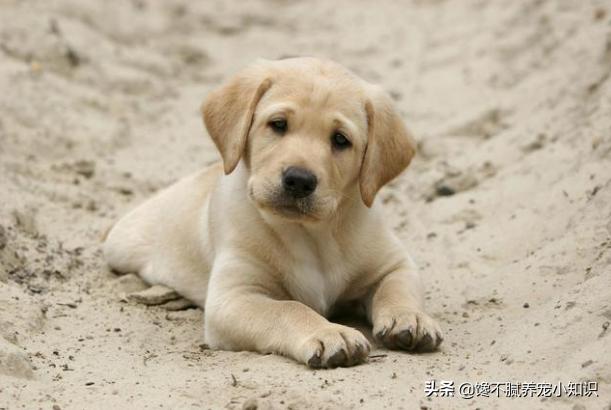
284	232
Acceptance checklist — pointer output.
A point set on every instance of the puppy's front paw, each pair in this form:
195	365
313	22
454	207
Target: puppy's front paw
408	330
335	346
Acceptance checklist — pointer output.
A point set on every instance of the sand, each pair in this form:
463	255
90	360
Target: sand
507	208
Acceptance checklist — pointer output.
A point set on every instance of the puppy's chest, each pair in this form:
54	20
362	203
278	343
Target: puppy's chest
317	274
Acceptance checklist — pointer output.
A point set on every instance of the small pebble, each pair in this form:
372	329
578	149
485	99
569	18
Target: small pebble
587	363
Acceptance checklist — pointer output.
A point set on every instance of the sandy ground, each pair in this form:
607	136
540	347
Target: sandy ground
507	208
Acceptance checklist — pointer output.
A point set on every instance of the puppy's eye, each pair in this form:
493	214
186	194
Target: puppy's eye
278	126
339	141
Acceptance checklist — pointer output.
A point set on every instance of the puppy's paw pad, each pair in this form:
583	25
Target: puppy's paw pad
408	330
405	338
315	362
336	346
429	343
339	358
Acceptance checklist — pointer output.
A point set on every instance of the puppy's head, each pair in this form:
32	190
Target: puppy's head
311	133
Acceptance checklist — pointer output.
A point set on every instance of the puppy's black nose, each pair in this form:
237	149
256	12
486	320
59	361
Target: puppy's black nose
298	182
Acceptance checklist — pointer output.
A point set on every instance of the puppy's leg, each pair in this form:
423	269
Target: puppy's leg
244	314
162	239
395	308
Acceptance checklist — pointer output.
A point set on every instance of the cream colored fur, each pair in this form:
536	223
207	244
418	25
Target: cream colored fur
267	271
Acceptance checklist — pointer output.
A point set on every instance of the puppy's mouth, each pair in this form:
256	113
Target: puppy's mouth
279	203
293	209
301	209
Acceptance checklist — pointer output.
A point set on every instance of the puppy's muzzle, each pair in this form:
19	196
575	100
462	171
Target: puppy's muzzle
298	182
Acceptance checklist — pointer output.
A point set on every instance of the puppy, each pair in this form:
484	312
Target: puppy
283	232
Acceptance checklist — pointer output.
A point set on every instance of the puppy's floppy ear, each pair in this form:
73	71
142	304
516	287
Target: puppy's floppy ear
390	147
228	113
